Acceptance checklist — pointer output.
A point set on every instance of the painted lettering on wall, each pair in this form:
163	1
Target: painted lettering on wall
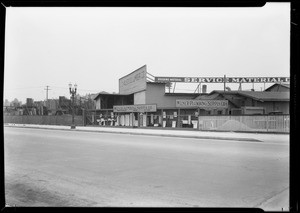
134	82
202	104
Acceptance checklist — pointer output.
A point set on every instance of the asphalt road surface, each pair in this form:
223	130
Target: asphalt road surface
70	168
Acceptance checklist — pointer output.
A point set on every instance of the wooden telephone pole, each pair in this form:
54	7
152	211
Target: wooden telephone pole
47	95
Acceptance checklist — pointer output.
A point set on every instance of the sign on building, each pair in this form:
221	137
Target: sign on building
135	108
222	79
133	82
204	104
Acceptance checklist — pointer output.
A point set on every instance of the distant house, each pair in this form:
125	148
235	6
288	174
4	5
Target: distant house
29	102
278	88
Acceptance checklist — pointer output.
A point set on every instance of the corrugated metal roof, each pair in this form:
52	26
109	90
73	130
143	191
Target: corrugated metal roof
267	96
181	94
207	97
284	85
257	95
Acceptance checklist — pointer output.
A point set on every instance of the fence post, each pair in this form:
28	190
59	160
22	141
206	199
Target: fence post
198	125
162	118
267	121
83	117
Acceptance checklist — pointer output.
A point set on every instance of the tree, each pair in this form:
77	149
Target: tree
15	102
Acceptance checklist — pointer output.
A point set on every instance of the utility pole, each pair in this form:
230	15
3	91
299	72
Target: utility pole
224	83
47	95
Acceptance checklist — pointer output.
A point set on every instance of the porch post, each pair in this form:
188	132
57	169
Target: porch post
178	118
198	119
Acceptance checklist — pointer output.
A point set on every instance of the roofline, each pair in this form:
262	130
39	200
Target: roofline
155	82
246	95
190	94
285	100
283	84
117	94
133	71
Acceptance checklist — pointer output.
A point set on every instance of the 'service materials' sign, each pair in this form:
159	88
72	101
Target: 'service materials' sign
135	108
222	79
133	82
215	104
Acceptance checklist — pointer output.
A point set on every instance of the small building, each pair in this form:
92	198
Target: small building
252	102
29	102
52	106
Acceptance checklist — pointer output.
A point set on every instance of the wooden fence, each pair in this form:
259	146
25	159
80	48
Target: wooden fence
244	123
247	123
43	120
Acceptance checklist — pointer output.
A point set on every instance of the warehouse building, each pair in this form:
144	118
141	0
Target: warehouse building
143	102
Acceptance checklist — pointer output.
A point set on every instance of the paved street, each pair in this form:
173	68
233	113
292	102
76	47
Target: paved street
76	168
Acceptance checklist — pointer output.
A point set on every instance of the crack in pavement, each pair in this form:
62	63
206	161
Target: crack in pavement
271	197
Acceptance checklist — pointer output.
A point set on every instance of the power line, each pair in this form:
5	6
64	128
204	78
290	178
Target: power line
23	88
80	89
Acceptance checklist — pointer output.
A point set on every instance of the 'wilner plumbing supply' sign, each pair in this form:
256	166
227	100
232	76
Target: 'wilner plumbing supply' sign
216	104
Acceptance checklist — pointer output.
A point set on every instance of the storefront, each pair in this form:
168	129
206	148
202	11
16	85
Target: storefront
145	103
134	115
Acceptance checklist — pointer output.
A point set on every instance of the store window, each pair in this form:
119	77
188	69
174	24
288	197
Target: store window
154	119
170	118
188	118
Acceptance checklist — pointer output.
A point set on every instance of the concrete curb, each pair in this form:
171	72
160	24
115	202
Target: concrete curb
148	134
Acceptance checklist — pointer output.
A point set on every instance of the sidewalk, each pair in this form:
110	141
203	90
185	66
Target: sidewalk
253	137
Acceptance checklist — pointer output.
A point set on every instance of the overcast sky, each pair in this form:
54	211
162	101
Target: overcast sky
94	47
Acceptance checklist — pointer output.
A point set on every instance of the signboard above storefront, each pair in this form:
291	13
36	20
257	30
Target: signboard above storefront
133	82
221	79
135	108
203	104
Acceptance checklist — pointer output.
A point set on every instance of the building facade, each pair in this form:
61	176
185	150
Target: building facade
143	102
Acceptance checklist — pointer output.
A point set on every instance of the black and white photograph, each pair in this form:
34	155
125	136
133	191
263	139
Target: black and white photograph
147	107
